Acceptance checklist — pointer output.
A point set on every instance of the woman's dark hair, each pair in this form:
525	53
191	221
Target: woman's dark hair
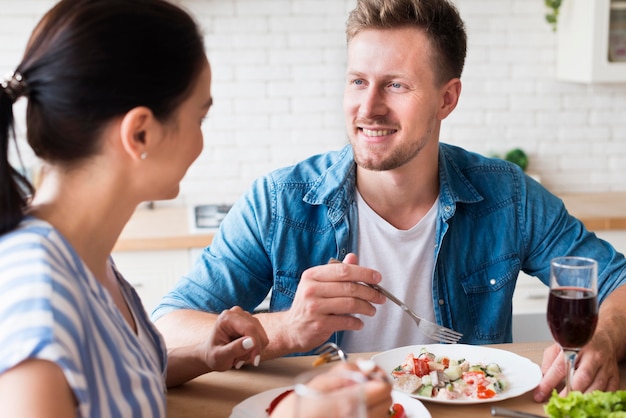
88	61
439	20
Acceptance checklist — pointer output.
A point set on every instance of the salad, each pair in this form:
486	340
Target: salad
442	377
597	404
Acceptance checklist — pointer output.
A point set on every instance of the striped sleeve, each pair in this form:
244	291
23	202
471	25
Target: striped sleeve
35	303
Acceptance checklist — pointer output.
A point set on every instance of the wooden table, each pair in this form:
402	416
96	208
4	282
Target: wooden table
215	394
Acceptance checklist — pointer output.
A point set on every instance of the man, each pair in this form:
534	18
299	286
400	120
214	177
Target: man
446	229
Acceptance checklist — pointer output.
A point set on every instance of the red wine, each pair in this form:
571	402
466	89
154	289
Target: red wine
572	316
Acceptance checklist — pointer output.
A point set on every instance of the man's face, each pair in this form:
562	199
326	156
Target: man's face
391	103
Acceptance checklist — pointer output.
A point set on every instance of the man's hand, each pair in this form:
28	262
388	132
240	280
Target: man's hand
597	363
596	368
326	301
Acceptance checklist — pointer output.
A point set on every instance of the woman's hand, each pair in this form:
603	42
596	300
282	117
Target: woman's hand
237	338
377	392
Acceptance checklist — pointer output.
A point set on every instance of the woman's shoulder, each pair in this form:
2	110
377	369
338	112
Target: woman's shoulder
36	280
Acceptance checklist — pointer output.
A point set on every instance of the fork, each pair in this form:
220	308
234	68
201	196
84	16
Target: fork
428	328
329	352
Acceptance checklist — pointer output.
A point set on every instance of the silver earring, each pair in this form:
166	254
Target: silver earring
143	155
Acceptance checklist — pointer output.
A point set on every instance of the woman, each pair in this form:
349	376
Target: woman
117	91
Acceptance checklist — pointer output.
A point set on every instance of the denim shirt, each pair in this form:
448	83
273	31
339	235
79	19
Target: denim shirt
493	221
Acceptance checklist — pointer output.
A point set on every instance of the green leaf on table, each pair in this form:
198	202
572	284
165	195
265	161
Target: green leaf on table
597	404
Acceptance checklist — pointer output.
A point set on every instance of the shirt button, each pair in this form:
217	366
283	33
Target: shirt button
492	281
447	208
441	302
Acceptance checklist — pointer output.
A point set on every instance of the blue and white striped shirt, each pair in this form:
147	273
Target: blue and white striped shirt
53	308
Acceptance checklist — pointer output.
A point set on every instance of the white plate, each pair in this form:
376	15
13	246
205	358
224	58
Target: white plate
255	406
521	374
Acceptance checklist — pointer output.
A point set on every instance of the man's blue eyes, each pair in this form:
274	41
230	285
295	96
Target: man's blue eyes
393	85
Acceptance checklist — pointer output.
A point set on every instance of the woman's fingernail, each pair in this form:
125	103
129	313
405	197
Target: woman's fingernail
257	360
238	365
248	343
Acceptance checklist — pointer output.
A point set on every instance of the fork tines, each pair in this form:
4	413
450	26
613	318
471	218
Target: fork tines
329	352
445	335
438	332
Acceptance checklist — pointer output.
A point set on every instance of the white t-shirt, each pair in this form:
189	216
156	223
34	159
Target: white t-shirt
406	260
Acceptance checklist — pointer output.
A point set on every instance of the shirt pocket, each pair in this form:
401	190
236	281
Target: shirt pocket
489	291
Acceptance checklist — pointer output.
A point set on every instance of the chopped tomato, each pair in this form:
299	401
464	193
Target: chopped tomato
446	362
483	393
397	411
421	367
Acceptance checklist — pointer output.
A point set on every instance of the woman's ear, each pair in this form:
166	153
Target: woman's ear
137	131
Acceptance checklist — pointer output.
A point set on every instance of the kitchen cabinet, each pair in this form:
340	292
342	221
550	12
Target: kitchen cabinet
591	38
152	273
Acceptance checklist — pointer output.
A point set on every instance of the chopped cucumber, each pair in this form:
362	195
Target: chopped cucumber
493	369
453	372
425	390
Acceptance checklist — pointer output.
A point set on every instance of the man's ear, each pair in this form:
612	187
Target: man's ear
136	132
449	98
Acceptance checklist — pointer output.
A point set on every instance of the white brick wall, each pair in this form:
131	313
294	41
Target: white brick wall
278	80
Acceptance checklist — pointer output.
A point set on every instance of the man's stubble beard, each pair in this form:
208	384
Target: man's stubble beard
398	157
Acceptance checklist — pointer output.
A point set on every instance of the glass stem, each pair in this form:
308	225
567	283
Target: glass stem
570	362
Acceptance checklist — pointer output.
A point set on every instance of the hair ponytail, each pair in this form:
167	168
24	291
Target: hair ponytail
15	189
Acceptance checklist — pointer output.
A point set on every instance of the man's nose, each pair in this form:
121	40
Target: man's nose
372	104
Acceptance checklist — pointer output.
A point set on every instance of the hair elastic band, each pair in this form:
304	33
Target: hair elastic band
14	86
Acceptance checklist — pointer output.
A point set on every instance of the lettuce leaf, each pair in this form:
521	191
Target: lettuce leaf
597	404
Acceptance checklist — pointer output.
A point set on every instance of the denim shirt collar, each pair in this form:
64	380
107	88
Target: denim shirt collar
454	186
335	187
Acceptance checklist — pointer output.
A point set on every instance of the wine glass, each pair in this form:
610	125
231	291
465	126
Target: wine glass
572	306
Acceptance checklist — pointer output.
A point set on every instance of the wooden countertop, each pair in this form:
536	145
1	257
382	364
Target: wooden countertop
598	211
162	228
168	228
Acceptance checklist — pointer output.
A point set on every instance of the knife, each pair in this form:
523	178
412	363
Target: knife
505	412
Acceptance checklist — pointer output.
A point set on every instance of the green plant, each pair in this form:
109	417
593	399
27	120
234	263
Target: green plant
516	156
519	157
552	17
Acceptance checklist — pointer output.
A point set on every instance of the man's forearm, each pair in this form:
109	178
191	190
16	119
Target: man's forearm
282	338
183	331
185	327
